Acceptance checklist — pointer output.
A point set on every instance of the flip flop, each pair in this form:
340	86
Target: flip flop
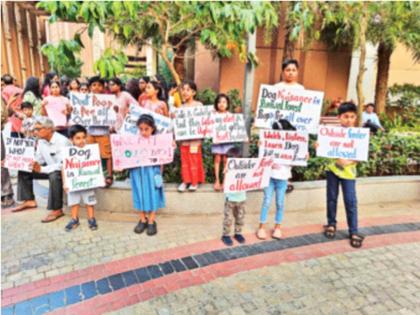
51	218
109	180
20	208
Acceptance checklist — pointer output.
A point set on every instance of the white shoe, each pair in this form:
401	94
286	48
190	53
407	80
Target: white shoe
193	188
277	234
182	187
261	234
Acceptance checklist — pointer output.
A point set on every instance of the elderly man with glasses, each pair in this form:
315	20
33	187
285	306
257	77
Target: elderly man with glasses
49	157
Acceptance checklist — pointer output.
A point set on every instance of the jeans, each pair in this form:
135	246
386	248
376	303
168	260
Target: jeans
278	186
350	201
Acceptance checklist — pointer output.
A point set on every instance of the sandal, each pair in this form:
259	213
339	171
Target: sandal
289	188
356	240
23	207
109	180
329	231
51	217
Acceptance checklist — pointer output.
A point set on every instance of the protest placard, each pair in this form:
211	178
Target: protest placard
285	147
193	122
302	108
57	114
229	128
93	109
82	168
163	123
247	174
20	154
130	151
344	143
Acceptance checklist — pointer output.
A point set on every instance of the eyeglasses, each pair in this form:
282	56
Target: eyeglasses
38	129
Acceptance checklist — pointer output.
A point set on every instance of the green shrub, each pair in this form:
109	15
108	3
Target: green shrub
406	95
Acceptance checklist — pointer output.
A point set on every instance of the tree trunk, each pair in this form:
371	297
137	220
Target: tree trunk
362	59
381	89
179	62
171	67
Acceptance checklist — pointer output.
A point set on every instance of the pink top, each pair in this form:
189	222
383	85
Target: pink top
142	98
9	90
124	100
46	91
158	107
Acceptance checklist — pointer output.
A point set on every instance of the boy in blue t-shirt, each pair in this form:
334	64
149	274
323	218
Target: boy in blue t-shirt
234	204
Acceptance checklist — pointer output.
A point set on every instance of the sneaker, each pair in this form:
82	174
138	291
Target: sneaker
261	234
277	234
74	223
239	238
92	224
140	227
193	188
152	229
182	187
227	240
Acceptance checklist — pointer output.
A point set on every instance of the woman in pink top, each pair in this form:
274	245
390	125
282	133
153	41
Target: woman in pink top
49	77
56	107
124	100
153	101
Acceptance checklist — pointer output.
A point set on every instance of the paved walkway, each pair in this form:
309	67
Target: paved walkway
83	272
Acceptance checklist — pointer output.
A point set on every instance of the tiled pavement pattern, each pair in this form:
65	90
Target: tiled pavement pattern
368	282
115	282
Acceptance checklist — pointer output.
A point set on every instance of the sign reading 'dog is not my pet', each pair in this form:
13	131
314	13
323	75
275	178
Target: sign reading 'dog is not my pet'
20	154
302	108
343	143
286	147
193	122
83	168
93	109
130	151
229	128
247	174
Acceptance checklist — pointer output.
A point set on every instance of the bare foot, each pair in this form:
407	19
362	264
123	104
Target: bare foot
26	205
217	186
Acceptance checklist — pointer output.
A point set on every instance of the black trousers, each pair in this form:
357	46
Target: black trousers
55	193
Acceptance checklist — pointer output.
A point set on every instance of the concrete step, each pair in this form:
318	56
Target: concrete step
306	197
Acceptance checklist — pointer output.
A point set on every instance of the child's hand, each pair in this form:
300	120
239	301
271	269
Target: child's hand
316	145
66	189
174	144
259	143
307	156
36	167
2	163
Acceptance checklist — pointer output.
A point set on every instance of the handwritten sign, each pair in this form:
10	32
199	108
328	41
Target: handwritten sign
93	109
302	108
83	168
57	114
229	128
247	174
286	147
20	154
344	143
193	122
163	123
130	151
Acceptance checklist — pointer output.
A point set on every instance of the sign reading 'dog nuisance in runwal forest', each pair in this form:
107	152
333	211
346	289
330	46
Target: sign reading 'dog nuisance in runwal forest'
194	122
163	123
344	143
82	168
229	128
302	108
247	174
93	109
20	154
286	147
130	151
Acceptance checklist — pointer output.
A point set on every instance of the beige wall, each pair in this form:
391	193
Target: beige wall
403	69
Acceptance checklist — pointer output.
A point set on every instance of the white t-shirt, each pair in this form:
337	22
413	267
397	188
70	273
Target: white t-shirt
283	84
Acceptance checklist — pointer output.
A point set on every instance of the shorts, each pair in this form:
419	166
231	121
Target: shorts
221	148
104	143
76	197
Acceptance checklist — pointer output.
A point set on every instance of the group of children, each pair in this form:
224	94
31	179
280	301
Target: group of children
147	183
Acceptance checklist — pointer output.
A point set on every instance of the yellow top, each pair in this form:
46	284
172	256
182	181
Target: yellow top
344	172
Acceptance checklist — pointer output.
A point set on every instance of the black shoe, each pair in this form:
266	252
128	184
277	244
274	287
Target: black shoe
92	224
74	223
152	229
227	240
140	227
240	239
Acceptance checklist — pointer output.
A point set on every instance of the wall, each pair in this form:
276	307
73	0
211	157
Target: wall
403	69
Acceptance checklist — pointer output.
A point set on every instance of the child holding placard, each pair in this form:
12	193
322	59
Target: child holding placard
342	171
28	123
234	205
280	175
192	170
154	99
78	135
147	185
221	105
